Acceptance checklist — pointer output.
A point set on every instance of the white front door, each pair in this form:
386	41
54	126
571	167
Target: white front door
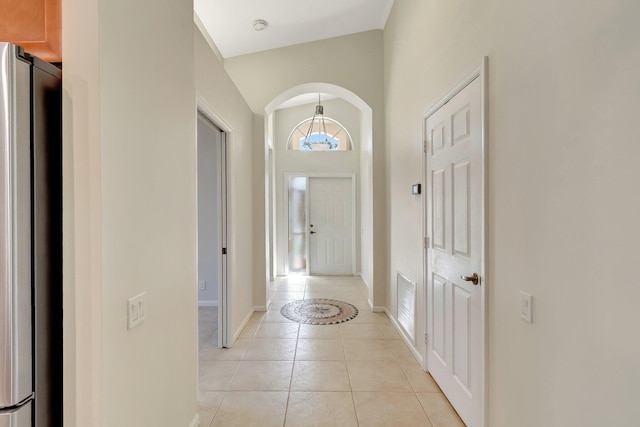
331	226
454	216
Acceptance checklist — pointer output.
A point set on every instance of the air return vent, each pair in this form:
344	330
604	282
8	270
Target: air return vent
407	305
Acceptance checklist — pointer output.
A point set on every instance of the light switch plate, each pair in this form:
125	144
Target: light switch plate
132	313
142	306
202	285
526	308
136	310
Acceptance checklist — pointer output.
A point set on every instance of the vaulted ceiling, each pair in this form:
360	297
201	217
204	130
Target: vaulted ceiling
229	23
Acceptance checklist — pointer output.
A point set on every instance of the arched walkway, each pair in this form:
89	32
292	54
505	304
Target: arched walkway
365	187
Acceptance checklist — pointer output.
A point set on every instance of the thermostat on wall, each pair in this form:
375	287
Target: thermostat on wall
415	189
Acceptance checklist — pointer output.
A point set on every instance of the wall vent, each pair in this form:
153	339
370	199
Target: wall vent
407	305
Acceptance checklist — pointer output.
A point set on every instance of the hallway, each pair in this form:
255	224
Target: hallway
281	373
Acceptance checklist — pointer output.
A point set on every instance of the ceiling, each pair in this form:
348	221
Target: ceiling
230	22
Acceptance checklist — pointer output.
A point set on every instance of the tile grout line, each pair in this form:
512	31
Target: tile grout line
353	400
293	365
415	393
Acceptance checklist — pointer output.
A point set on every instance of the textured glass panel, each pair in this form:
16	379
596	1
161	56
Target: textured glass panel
297	225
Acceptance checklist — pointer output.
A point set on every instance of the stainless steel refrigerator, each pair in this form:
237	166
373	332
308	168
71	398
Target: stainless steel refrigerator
30	241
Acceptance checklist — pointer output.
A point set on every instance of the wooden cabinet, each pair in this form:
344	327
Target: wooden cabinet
35	25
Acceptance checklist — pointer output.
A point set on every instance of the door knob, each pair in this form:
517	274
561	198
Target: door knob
473	279
312	232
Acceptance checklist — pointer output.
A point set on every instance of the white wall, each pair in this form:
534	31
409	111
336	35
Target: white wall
263	76
287	161
218	95
209	249
130	208
82	268
130	219
563	207
149	211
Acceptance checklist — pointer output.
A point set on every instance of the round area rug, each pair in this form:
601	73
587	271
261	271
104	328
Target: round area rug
319	311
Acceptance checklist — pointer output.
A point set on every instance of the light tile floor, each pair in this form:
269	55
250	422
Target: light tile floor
280	373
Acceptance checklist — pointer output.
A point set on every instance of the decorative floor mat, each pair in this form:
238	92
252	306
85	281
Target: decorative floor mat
319	311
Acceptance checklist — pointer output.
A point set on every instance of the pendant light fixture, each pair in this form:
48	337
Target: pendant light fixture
317	138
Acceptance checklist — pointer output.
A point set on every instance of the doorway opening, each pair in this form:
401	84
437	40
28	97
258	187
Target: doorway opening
212	234
321	224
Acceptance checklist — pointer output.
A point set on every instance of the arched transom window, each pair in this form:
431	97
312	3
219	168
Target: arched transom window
324	135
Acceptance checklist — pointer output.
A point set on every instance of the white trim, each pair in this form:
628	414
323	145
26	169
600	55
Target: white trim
205	108
307	220
207	36
338	91
407	340
195	422
369	289
376	309
479	72
207	303
224	215
484	94
236	335
354	217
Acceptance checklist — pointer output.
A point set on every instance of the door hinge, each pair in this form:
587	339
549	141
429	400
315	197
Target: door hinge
426	243
424	146
426	338
224	251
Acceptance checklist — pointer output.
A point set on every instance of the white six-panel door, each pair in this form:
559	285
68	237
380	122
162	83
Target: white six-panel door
454	216
331	226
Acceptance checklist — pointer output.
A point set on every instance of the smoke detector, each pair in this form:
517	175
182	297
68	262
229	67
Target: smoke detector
260	24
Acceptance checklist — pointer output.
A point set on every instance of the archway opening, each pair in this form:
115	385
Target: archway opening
336	97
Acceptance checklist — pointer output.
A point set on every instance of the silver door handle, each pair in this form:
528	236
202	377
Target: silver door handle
473	279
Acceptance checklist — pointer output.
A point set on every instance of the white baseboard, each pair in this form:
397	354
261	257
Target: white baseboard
208	303
364	281
371	306
407	340
376	309
195	422
246	320
238	331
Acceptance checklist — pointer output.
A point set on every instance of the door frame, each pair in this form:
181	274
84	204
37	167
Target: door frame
224	279
308	175
479	72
